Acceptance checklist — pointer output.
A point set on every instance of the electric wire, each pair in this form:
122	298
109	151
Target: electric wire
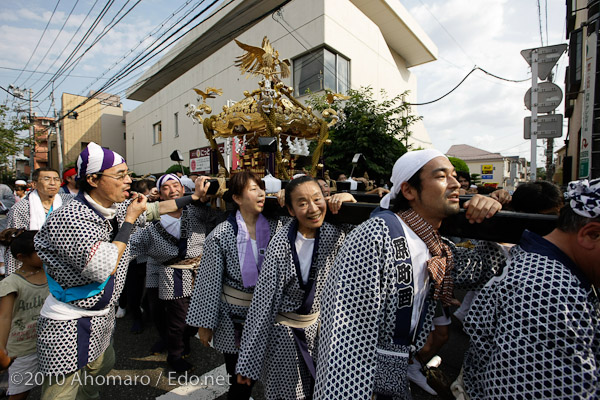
53	41
237	30
462	81
153	32
105	31
79	45
68	43
40	40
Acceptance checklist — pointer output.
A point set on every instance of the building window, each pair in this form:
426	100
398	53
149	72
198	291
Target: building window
176	122
157	128
321	69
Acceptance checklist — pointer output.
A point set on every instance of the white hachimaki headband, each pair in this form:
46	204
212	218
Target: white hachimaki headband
404	168
584	197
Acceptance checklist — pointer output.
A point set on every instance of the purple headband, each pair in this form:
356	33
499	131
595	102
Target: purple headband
95	159
166	178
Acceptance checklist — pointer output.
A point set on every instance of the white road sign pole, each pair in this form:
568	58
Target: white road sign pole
534	107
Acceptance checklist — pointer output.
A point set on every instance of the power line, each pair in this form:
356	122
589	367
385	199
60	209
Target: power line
111	80
540	22
44	73
447	32
68	42
103	33
464	79
156	30
65	64
14	95
128	69
54	41
40	40
135	65
546	12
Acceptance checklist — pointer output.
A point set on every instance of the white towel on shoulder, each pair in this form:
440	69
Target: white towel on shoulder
37	214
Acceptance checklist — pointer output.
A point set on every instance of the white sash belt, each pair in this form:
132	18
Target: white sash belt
59	311
236	297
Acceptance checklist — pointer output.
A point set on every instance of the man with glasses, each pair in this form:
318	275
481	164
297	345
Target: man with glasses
31	212
86	253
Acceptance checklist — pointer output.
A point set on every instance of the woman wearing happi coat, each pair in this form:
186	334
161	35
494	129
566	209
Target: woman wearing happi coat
232	259
281	328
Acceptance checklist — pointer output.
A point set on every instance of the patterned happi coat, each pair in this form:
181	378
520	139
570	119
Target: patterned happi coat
360	299
268	350
220	265
75	245
163	248
18	217
535	330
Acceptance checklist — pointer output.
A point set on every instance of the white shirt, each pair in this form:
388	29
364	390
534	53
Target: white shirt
304	249
419	254
171	225
254	250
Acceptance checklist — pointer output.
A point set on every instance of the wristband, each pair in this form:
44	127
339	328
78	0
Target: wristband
124	232
183	201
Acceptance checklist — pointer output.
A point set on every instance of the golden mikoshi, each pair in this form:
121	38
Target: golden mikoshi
268	111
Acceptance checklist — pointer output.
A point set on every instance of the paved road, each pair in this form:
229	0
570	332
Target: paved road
139	375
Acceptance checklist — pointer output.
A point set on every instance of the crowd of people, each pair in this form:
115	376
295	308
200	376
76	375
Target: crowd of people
312	309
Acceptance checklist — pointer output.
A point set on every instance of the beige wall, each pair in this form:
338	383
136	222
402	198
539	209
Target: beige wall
96	122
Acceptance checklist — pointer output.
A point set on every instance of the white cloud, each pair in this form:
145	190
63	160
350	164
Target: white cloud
483	111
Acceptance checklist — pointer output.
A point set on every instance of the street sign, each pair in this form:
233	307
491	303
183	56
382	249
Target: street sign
549	126
547	57
201	159
549	97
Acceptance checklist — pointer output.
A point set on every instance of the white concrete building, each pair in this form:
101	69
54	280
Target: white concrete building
334	44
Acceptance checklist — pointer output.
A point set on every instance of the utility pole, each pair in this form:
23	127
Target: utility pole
534	110
58	136
31	138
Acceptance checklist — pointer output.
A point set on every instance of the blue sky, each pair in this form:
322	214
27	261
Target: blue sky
483	112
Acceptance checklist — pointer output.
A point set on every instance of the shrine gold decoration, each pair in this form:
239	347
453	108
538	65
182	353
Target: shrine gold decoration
270	110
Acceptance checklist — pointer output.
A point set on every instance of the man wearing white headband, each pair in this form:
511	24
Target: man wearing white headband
392	271
535	330
85	250
174	246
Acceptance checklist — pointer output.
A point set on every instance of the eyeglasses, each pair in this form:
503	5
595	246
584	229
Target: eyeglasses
118	177
50	179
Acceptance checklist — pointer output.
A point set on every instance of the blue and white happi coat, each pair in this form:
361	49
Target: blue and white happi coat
360	300
535	330
268	350
18	217
75	245
220	266
162	248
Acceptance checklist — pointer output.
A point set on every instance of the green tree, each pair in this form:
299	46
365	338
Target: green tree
10	142
378	130
541	173
476	179
177	168
459	165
